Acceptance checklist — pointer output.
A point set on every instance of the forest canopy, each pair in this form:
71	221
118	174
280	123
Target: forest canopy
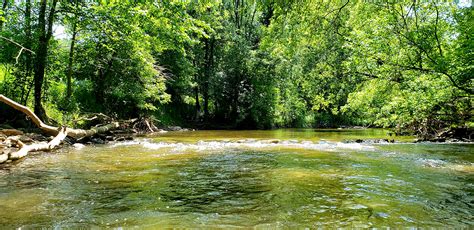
243	63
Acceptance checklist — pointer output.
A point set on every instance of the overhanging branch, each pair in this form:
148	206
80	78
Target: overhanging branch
19	45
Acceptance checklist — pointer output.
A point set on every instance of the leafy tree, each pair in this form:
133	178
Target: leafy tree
244	63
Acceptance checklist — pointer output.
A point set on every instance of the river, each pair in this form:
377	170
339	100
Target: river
289	178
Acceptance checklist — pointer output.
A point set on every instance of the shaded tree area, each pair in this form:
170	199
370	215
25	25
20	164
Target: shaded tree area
242	63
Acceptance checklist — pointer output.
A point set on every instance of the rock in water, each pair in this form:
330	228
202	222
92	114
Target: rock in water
97	141
25	139
174	128
78	146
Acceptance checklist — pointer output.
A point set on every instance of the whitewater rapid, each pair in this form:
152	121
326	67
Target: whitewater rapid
247	144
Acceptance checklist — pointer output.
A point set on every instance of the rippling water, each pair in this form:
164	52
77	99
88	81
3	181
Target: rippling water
249	179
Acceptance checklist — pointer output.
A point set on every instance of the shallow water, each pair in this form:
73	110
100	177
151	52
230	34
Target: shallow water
243	179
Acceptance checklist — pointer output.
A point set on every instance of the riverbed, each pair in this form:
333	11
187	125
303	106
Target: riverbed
288	178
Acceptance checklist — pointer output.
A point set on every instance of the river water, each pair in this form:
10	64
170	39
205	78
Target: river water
294	178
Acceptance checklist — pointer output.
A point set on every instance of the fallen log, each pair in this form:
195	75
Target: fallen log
59	133
25	149
53	131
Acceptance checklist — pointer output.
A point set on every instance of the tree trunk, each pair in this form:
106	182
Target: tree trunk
236	12
26	87
206	99
42	53
71	57
196	96
205	83
208	66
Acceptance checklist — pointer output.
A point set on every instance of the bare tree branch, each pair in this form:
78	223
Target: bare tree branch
18	44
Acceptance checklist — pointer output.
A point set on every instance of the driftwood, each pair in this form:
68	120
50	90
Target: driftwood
25	149
59	133
53	131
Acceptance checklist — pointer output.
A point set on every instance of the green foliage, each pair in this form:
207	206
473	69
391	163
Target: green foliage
309	50
252	64
2	18
416	70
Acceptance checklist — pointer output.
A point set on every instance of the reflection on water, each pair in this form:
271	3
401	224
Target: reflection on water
337	135
225	179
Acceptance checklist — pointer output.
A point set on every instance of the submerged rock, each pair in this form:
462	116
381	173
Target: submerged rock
453	140
287	142
174	128
432	163
382	215
357	206
271	141
370	141
120	139
97	141
250	140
